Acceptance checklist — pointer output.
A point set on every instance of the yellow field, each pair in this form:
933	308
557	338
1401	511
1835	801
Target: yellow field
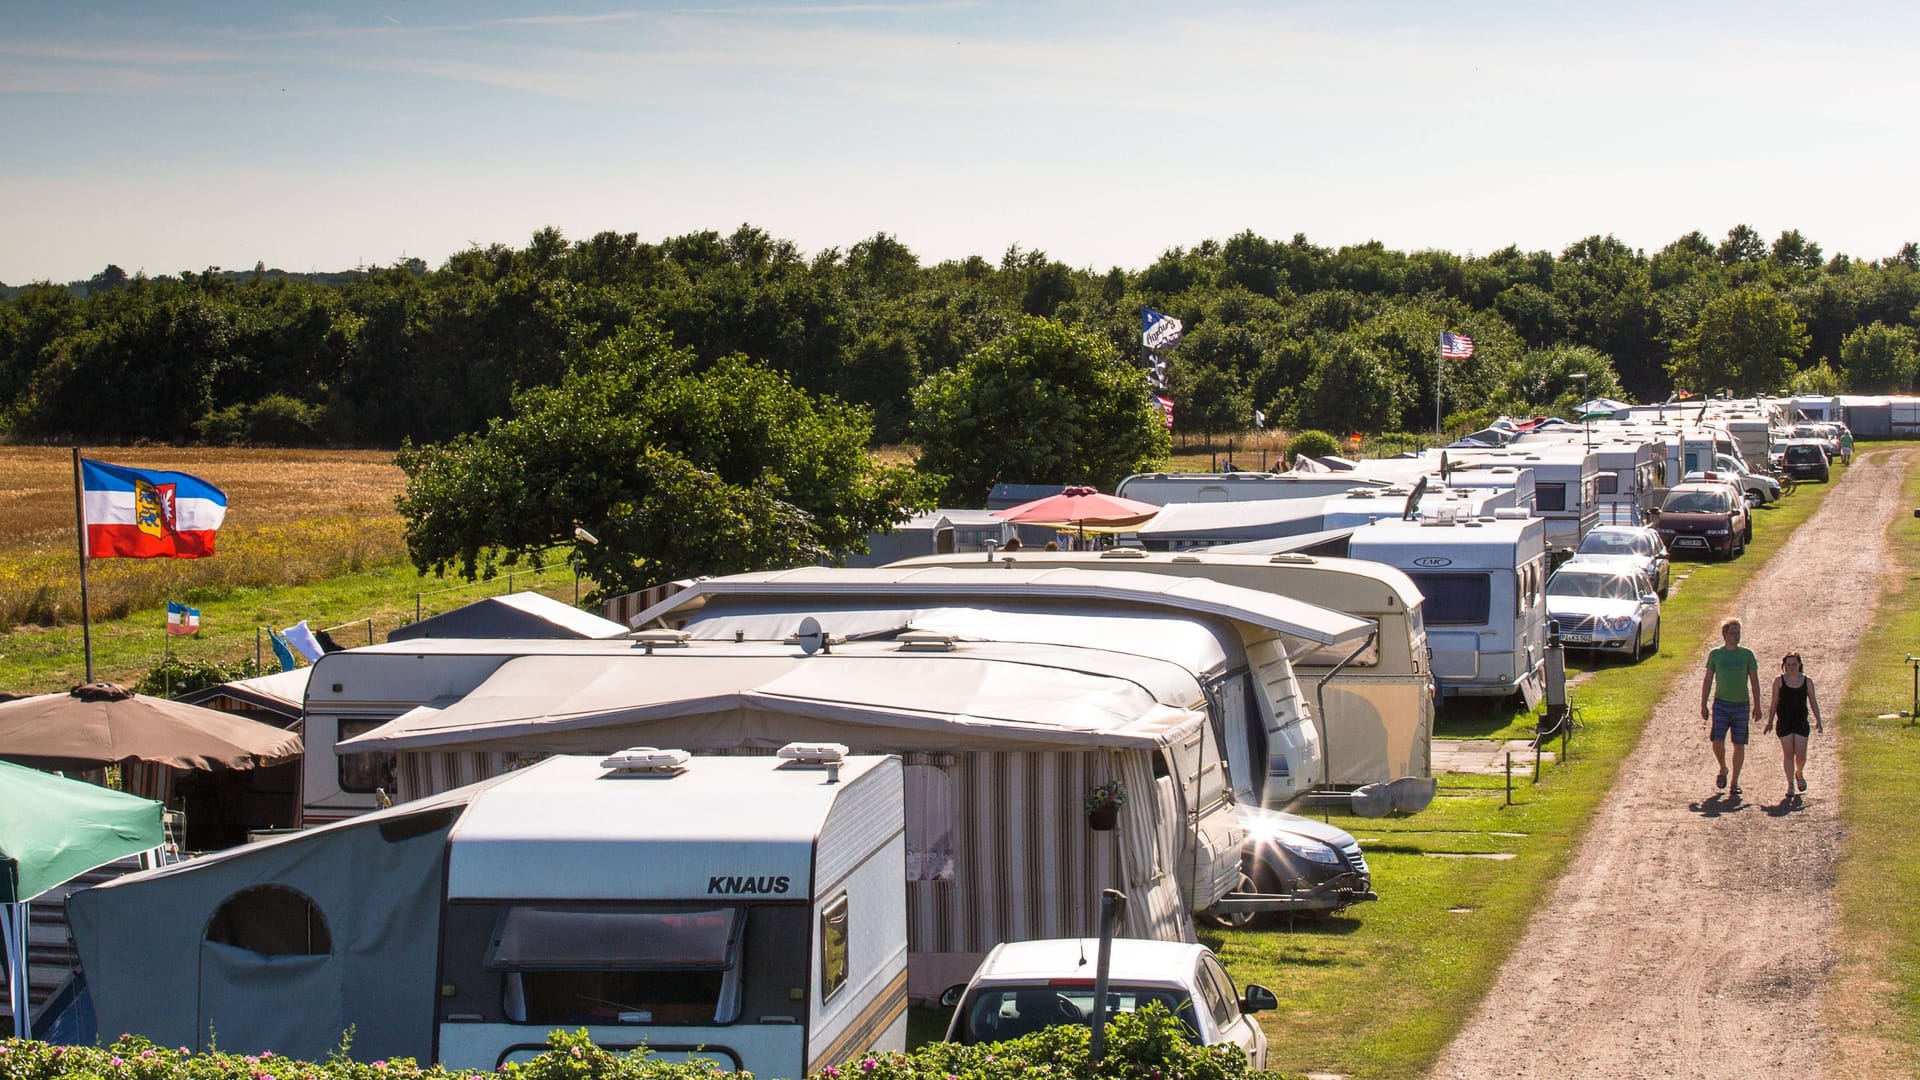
293	516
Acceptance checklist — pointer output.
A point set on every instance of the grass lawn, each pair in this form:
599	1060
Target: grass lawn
1380	991
1873	1008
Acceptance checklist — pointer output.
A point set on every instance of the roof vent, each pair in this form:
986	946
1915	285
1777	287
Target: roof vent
1185	559
661	639
1511	513
1123	553
803	753
647	761
926	641
1292	557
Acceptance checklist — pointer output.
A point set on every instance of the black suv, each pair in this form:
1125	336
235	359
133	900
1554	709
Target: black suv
1805	461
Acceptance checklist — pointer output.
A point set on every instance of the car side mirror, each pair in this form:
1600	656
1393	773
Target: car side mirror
1258	999
951	995
1649	598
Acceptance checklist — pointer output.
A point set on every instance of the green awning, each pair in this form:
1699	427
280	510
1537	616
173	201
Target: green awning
52	830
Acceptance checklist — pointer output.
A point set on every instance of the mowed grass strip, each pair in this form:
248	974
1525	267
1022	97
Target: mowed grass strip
1380	991
1873	1007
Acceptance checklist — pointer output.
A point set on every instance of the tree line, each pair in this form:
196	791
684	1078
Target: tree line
1339	339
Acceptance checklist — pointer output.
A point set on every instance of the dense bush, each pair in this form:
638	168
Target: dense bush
180	675
1140	1046
1311	443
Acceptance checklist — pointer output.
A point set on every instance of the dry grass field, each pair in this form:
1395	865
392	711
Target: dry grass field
293	516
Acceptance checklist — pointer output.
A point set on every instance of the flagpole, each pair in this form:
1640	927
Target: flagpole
1439	365
80	523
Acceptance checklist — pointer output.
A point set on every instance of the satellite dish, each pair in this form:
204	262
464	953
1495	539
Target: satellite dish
1413	499
810	636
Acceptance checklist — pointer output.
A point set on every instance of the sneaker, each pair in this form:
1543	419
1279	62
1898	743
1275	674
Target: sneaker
1721	780
1803	783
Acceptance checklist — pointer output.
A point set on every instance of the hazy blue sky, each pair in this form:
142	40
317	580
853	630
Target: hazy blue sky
167	137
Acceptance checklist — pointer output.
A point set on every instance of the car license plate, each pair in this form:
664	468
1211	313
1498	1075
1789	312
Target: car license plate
1689	541
1577	639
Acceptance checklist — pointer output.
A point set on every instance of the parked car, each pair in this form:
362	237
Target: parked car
1704	518
1761	489
1604	606
1635	545
1318	864
1826	434
1024	986
1805	459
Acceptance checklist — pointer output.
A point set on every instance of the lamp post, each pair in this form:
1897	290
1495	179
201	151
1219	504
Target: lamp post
580	536
1586	425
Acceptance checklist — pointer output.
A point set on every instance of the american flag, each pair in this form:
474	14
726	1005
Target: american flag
1165	405
1455	346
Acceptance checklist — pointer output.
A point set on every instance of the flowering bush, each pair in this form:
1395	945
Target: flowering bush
1146	1045
1107	795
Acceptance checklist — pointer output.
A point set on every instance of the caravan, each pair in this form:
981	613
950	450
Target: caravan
1484	583
747	910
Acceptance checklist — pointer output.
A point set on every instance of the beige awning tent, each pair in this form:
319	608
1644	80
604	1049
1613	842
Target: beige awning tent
102	724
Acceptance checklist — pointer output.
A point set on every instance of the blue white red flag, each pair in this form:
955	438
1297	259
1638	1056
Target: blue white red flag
1455	346
148	514
182	619
1159	331
1165	405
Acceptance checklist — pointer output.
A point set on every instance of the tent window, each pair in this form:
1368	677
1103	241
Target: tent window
929	794
272	920
833	947
363	773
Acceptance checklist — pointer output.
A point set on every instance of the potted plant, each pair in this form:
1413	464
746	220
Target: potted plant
1103	805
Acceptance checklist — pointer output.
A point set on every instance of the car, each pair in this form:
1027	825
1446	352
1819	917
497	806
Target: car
1604	606
1636	545
1822	432
1761	489
1318	866
1805	459
1704	518
1025	986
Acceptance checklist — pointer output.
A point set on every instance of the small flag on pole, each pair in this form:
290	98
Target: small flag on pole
182	619
1455	346
1157	331
1165	405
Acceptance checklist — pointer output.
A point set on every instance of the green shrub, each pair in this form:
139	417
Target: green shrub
180	675
228	427
278	420
1311	443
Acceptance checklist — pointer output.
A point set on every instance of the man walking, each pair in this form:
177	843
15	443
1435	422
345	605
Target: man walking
1733	681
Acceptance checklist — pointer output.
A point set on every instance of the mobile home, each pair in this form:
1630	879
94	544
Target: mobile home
1484	584
1372	707
747	910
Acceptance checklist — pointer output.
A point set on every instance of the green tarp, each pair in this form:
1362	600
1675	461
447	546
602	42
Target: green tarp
53	830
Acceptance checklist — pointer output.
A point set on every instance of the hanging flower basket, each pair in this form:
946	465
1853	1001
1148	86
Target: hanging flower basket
1103	805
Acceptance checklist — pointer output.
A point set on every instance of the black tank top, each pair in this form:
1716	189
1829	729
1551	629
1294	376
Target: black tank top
1793	702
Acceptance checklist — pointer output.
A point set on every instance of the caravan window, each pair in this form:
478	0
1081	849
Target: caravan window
929	796
575	964
1548	498
1456	599
1609	483
833	947
364	773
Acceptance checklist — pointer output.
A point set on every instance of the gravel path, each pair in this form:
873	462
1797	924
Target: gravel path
1690	937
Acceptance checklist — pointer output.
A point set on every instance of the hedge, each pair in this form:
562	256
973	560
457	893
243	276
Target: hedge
1140	1046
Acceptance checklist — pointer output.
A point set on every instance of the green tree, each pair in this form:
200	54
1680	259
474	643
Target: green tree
1043	402
1211	401
1880	359
1748	341
676	473
1353	388
1819	379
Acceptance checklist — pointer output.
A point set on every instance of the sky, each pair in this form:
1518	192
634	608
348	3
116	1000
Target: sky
315	137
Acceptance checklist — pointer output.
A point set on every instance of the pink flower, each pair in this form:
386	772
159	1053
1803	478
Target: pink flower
868	1064
117	1063
251	1060
579	1053
381	1064
266	1053
830	1072
148	1054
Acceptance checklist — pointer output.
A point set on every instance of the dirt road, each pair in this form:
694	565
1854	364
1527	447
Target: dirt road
1667	949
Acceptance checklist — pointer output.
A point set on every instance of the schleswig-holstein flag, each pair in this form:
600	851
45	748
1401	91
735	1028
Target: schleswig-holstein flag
148	514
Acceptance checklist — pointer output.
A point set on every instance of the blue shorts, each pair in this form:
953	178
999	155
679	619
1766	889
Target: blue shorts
1730	716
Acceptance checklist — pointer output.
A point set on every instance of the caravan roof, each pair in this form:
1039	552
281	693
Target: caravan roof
601	835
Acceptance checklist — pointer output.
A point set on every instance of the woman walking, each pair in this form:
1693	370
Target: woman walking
1793	698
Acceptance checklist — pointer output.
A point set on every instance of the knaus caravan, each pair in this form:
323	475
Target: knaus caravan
1164	489
749	910
1373	707
1485	610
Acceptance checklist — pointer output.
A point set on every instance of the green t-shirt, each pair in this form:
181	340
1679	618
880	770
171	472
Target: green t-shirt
1730	668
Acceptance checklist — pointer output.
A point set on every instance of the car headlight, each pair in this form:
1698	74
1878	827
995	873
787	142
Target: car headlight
1310	850
1618	622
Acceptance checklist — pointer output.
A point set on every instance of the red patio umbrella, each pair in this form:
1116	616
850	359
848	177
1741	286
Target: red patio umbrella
1079	508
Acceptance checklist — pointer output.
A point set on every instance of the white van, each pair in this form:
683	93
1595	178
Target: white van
1485	587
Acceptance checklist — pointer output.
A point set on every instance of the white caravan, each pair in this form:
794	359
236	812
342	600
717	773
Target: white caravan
749	910
1485	585
1164	489
1372	706
1565	484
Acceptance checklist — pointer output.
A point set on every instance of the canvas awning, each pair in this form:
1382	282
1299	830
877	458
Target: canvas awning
52	830
102	724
